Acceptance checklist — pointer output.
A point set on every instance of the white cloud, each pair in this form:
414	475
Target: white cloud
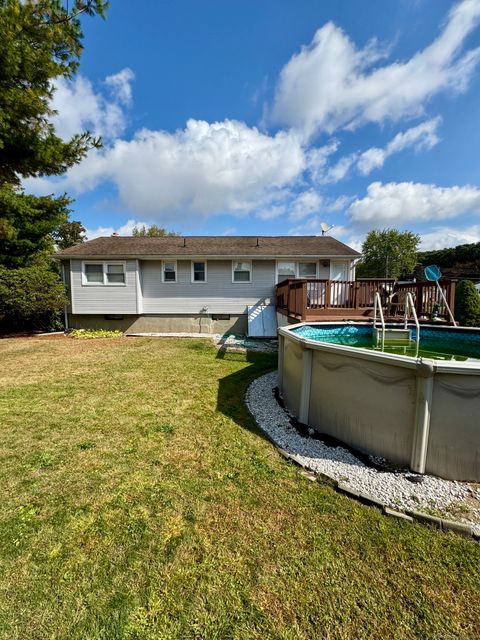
331	84
397	202
313	226
271	212
204	169
80	108
443	237
121	85
124	230
304	205
317	159
339	170
229	231
423	136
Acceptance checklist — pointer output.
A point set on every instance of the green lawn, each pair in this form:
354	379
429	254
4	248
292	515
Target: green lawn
139	501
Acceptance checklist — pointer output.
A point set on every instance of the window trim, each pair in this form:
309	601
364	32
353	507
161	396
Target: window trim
297	269
315	262
193	281
164	262
250	280
277	276
105	282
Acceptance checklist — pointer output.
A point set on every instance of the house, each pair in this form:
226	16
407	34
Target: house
190	283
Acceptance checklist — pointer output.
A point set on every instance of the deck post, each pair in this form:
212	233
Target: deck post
303	413
327	294
425	371
304	301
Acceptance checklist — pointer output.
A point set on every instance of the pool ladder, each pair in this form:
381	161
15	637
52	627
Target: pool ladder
393	335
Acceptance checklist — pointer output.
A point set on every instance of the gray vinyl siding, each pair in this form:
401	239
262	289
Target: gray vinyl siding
104	299
219	294
65	265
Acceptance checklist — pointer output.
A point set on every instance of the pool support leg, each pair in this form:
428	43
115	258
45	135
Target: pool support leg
425	371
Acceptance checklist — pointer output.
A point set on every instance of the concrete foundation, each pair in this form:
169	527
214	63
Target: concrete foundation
167	323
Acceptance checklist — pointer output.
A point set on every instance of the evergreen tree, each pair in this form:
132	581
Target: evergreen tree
69	233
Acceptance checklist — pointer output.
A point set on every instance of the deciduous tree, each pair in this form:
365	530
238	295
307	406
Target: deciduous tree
388	253
152	232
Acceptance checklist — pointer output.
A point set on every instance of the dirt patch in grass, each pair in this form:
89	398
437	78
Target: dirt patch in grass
140	501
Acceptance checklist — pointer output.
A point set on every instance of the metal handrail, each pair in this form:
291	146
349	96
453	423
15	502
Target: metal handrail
377	304
409	303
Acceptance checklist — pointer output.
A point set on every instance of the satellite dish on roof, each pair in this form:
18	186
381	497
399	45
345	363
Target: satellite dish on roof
324	227
432	273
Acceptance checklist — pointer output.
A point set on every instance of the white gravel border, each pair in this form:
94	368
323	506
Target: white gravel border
393	490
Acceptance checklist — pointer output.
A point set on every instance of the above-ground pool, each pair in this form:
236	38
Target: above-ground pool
416	406
445	343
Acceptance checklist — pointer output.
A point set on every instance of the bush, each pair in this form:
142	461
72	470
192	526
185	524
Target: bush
467	304
31	298
89	334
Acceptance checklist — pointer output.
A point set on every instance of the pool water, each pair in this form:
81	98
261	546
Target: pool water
439	344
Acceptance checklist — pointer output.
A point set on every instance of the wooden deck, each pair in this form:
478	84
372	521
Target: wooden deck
315	300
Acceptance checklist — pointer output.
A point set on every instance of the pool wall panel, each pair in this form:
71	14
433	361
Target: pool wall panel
454	438
292	375
368	405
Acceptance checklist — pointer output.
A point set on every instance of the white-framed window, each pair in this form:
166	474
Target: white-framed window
241	270
296	269
307	269
105	273
199	271
286	269
115	273
93	272
169	271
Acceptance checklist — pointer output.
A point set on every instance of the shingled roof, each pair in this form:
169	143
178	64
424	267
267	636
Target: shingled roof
218	246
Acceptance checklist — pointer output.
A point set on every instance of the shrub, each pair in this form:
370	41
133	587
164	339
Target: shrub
89	334
31	298
467	304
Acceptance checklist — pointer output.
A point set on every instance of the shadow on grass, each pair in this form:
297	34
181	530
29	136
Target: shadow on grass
232	388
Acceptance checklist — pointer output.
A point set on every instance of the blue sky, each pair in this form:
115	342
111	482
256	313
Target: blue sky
270	117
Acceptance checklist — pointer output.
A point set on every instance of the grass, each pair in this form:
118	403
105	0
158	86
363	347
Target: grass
139	501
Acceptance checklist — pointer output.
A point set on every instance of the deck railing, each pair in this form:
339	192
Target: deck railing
299	297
